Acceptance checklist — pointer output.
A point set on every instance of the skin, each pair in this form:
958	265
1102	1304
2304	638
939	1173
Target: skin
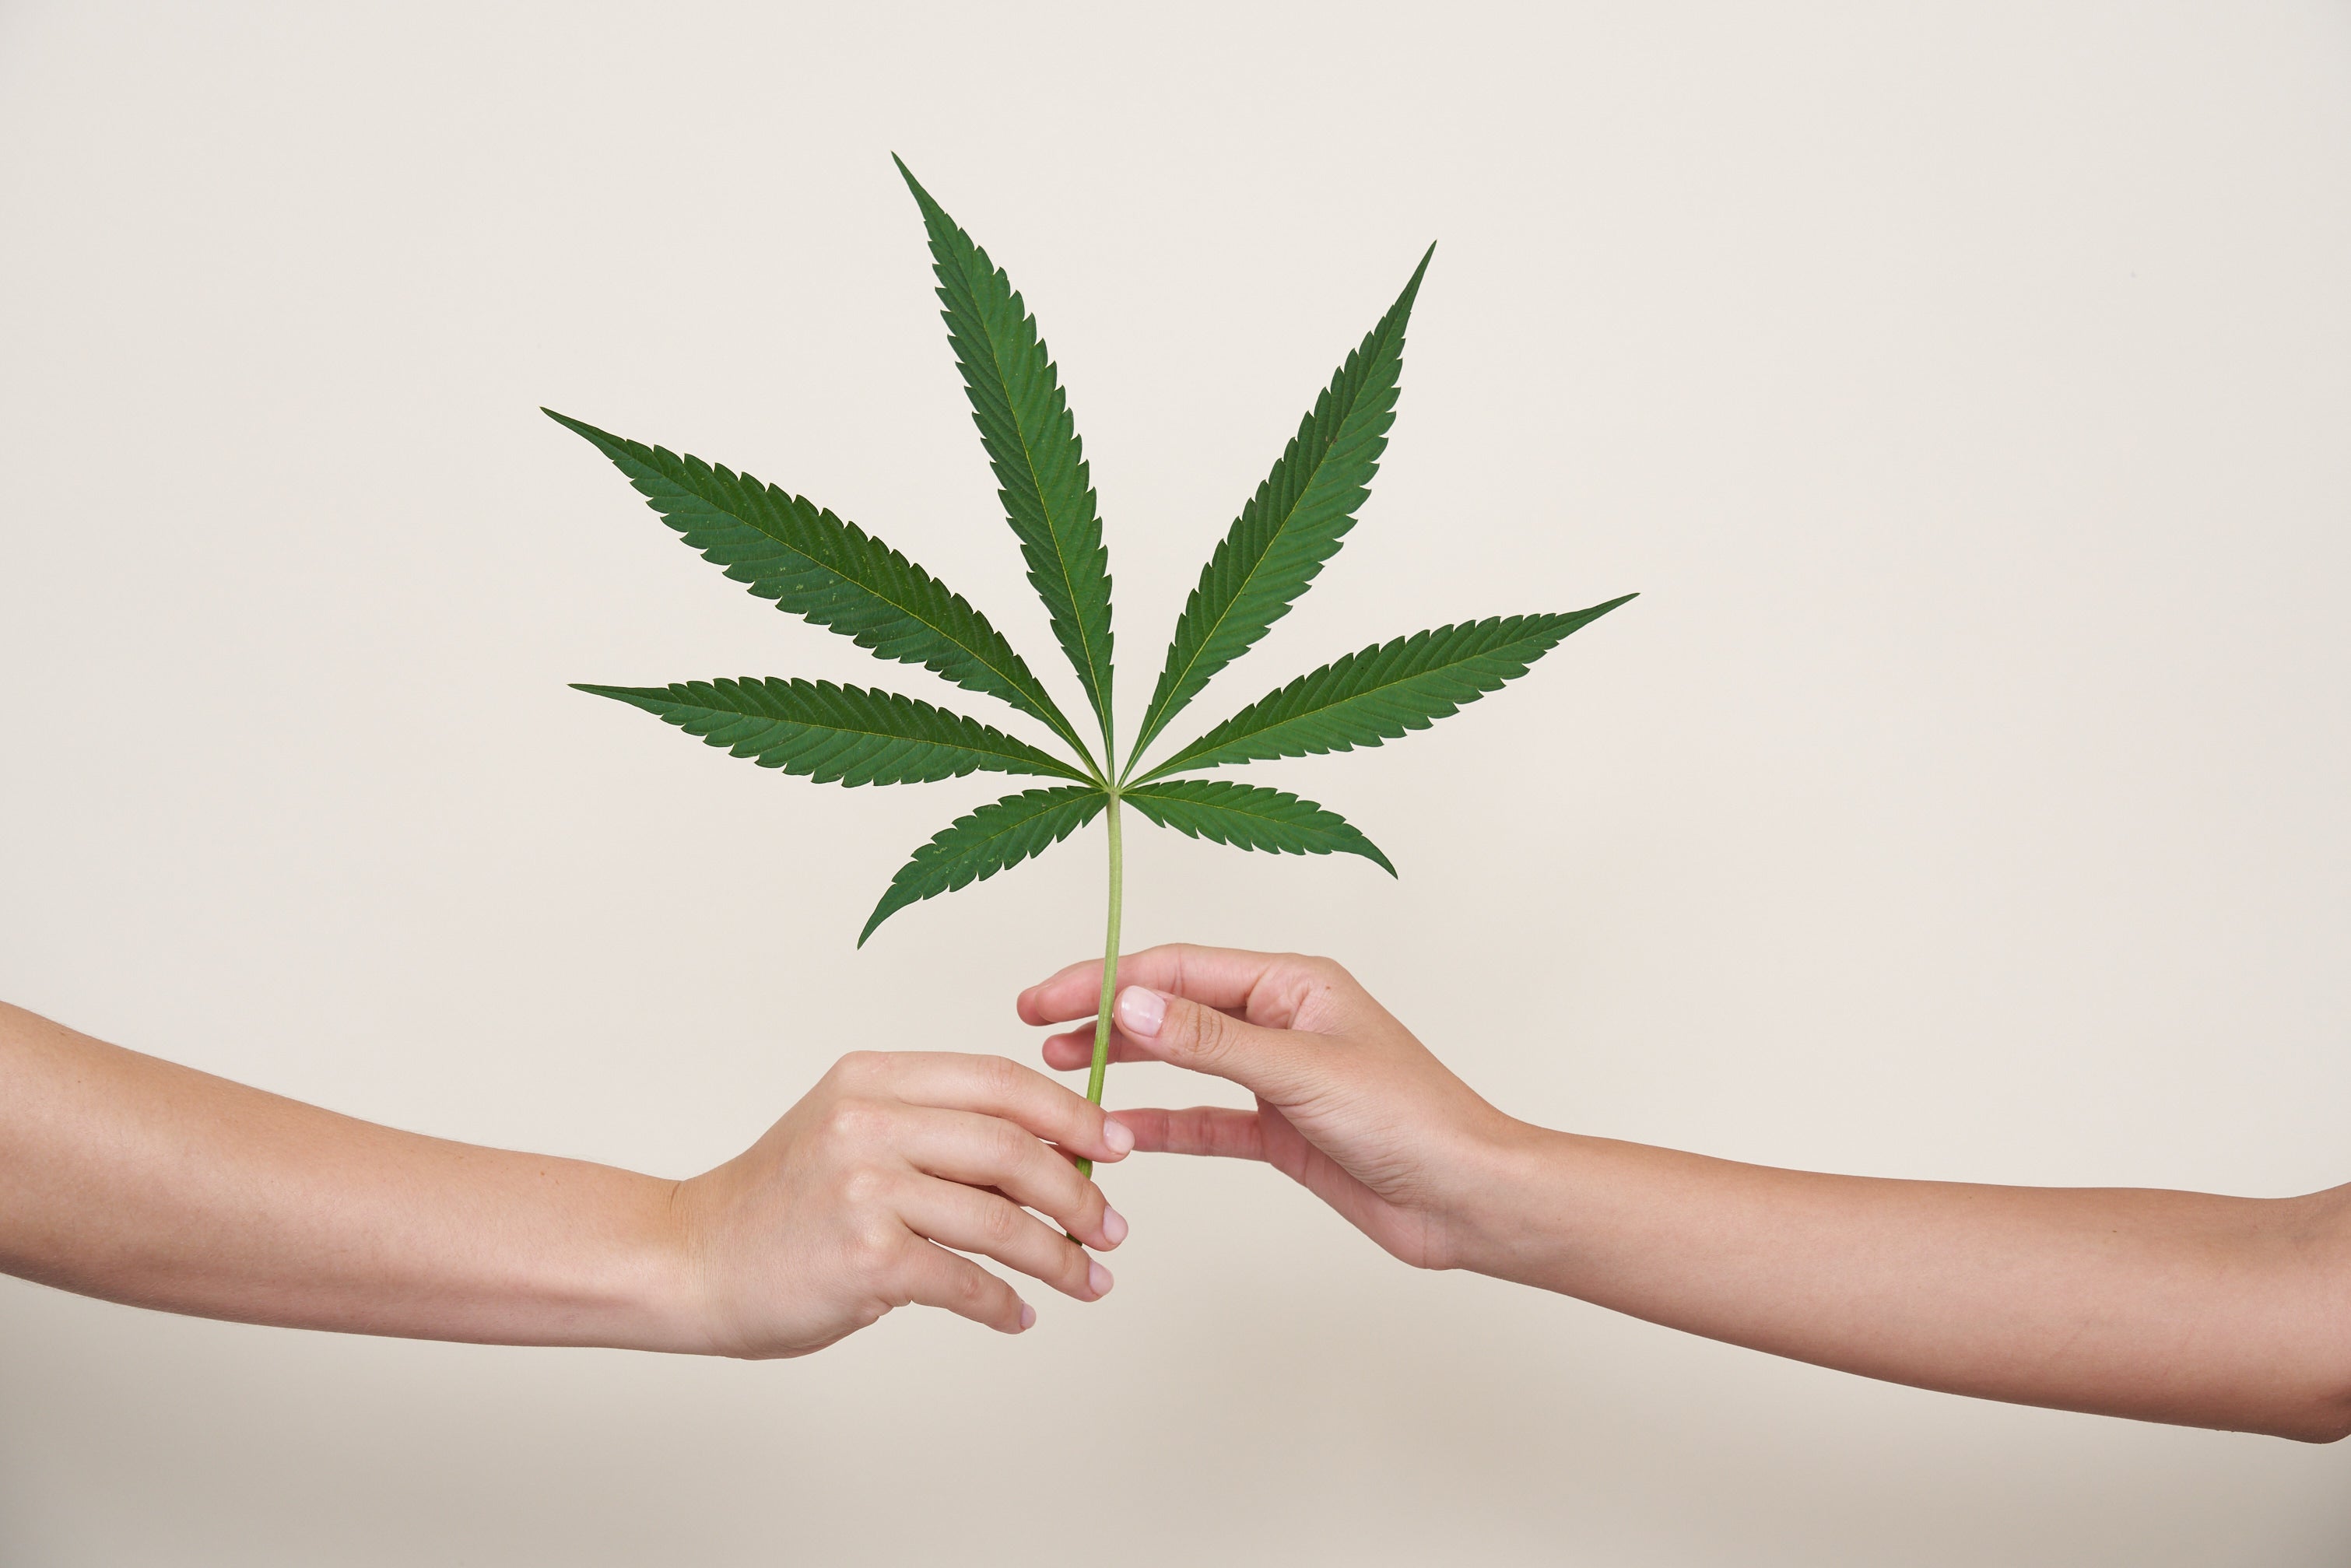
134	1179
2165	1306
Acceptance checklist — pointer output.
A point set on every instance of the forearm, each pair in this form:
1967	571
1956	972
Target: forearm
2167	1306
137	1180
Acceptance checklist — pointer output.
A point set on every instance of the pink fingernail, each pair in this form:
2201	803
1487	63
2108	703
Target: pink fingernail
1140	1012
1028	1316
1113	1226
1098	1278
1117	1136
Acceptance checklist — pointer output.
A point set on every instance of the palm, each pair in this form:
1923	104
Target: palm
1375	1214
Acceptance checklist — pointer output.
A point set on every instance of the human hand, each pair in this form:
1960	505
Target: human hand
1348	1103
850	1205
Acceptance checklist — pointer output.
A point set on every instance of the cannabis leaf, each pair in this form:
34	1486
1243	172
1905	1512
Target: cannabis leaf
1295	521
1381	692
1032	444
831	572
1251	817
812	564
999	834
845	735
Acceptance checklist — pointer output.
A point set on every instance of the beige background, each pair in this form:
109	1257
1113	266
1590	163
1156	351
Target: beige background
1965	388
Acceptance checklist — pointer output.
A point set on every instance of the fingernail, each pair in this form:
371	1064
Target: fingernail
1117	1136
1140	1012
1098	1278
1028	1316
1113	1226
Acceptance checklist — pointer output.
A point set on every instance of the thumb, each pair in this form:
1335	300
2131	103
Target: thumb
1280	1065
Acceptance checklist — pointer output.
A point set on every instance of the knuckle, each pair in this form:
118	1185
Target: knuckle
1000	1223
1314	992
851	1123
1000	1075
1062	1195
858	1067
873	1249
1329	971
1008	1146
1053	1174
1206	1034
863	1187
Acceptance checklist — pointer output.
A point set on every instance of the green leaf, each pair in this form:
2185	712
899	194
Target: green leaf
1382	692
814	565
1294	523
973	849
831	734
1251	818
1032	444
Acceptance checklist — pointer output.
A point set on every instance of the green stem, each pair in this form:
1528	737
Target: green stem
1110	968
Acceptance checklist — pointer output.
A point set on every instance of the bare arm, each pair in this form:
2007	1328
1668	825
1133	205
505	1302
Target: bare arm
2167	1306
129	1177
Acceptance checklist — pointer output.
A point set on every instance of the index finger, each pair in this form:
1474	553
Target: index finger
1264	988
997	1086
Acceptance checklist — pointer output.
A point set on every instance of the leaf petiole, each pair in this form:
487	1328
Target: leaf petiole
1110	967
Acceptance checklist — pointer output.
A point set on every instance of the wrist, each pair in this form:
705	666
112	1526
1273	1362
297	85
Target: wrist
673	1303
1501	1213
648	1284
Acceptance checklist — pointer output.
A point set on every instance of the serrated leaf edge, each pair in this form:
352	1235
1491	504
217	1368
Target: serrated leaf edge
1094	667
1092	797
1023	690
1202	752
1141	794
1386	339
663	702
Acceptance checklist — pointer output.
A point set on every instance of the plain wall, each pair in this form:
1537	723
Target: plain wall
1964	387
